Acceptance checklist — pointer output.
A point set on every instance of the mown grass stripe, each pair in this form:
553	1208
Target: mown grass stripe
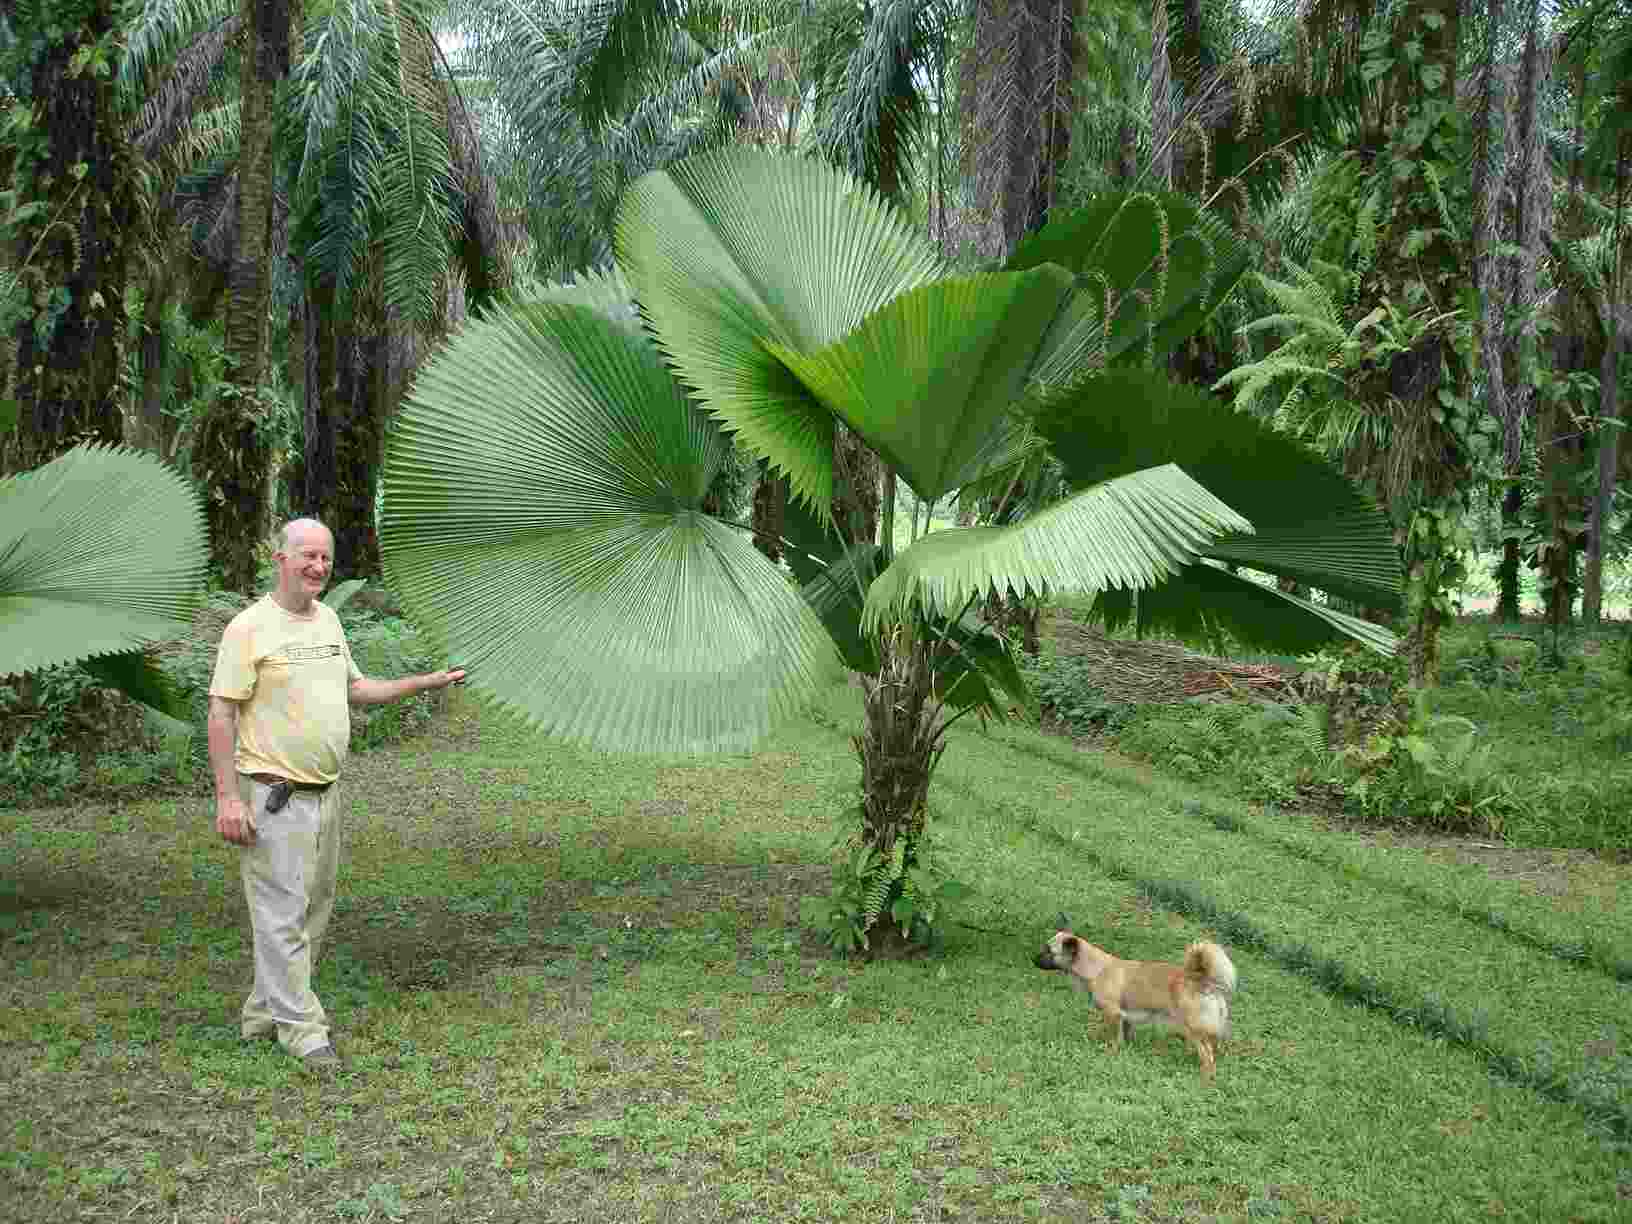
1596	1103
1589	951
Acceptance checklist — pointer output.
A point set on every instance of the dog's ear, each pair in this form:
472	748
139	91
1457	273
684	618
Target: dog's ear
1065	923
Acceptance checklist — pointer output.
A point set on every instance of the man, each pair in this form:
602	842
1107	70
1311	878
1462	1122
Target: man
279	731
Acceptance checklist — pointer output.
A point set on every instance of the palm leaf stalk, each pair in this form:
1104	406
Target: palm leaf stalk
545	482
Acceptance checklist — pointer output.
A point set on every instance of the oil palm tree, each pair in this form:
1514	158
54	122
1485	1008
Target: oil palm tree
545	480
349	112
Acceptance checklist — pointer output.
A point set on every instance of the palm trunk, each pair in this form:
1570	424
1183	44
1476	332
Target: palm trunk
1556	562
858	473
230	454
1530	187
150	429
903	736
769	510
360	411
70	259
1609	412
1507	572
1161	98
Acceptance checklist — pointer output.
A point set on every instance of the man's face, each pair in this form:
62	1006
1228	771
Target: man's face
303	568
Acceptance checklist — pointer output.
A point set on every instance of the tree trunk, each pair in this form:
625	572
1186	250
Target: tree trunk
1162	135
1016	92
1530	187
150	429
769	510
903	736
1507	572
1555	561
857	475
1609	410
231	456
320	477
70	259
359	430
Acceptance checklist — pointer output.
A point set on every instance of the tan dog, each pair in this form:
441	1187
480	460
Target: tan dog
1193	998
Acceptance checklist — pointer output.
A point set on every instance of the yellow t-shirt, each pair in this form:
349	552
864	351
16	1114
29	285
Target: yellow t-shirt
291	674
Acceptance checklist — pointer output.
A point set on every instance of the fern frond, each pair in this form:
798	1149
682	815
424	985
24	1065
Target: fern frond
1314	728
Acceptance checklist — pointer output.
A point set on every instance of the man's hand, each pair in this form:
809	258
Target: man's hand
441	679
234	821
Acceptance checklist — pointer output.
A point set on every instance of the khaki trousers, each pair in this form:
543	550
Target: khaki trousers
289	875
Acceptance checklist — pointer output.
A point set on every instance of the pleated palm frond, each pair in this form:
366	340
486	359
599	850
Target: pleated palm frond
542	520
1204	603
836	593
1311	523
603	290
1151	266
1128	531
102	554
927	379
733	250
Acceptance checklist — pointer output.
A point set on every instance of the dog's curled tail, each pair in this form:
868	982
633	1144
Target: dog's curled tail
1208	960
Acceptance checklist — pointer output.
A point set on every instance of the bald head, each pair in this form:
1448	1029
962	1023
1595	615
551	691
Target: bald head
304	554
299	528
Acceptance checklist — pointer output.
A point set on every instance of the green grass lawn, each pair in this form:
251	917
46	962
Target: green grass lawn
573	987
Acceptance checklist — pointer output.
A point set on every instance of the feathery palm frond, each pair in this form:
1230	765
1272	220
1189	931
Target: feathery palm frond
160	29
368	126
871	103
193	81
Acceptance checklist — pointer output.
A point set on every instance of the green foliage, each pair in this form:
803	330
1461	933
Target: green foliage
367	129
908	888
1066	691
62	732
84	576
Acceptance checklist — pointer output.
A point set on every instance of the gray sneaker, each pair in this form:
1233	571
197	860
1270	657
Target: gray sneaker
322	1061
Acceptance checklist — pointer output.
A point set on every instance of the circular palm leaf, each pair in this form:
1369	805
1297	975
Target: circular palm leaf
542	519
734	250
102	552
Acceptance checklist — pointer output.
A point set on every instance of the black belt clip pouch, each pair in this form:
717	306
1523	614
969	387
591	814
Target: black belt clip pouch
278	796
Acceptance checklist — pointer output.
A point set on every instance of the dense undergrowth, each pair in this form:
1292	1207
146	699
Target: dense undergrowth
1526	739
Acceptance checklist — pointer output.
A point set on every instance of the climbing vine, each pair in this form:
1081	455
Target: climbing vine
68	202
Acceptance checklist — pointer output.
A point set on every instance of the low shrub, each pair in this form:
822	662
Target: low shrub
1514	744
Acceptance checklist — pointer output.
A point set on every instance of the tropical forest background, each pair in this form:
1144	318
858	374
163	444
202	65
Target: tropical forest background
233	235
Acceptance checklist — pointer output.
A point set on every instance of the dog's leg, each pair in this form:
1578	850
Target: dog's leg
1117	1023
1202	1043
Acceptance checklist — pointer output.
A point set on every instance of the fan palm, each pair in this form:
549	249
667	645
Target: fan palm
101	554
543	513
